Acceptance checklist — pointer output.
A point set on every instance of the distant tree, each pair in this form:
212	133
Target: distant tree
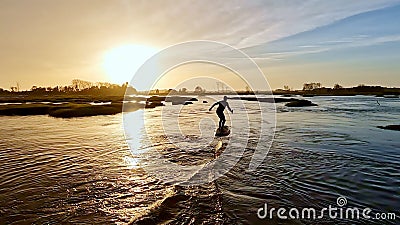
183	90
67	89
102	84
81	84
286	88
337	86
311	86
198	89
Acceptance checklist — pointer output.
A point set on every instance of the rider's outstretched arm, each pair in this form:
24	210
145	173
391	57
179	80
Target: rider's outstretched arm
213	106
227	105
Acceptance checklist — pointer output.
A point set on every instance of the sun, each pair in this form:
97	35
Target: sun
122	62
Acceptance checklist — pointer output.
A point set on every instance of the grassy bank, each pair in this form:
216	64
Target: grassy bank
59	98
67	110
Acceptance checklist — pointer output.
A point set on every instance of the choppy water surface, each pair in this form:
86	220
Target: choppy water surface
82	171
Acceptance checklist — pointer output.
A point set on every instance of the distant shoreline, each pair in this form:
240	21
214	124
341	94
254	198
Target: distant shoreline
84	99
86	90
69	106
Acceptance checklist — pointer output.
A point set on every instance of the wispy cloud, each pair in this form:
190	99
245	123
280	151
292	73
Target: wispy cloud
240	23
58	33
365	29
273	21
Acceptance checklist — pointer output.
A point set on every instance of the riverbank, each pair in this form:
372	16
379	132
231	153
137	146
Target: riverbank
66	110
81	106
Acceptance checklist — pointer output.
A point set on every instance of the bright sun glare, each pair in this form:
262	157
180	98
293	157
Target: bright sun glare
122	62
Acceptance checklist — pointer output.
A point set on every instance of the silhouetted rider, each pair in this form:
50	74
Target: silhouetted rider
220	111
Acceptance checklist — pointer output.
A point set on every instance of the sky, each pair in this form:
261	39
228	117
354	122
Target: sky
51	42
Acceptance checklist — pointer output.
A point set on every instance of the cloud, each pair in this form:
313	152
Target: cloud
273	21
361	30
72	35
240	23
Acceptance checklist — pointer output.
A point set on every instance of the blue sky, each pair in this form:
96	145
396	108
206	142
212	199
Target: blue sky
48	43
359	49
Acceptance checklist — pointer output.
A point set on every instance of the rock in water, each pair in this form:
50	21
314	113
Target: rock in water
224	132
300	103
390	127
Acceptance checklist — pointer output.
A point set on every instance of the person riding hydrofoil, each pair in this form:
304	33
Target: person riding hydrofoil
220	111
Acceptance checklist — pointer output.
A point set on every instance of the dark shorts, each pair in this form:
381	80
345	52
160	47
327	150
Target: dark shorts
221	115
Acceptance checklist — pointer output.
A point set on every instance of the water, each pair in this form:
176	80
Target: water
82	171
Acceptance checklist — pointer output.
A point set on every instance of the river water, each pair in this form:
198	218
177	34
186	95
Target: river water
82	171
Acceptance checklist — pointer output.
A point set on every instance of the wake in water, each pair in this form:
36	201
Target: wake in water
196	204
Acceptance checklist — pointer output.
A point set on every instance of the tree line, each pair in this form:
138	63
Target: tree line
316	88
77	86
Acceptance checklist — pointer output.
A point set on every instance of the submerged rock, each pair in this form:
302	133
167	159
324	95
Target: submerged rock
155	101
179	100
300	103
390	127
